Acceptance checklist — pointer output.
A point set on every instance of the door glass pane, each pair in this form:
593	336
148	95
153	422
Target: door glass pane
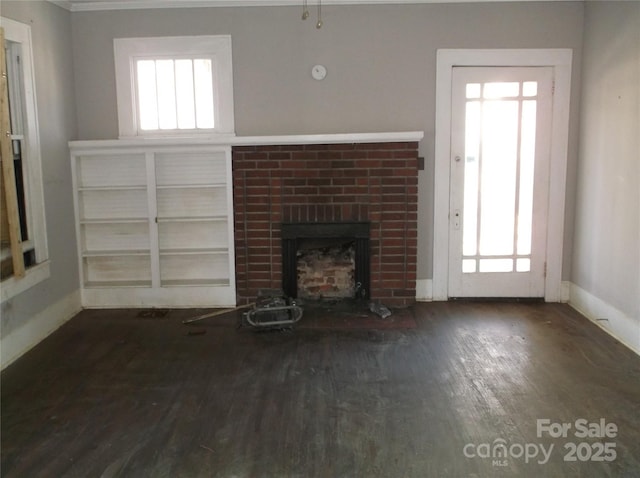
527	155
468	265
473	90
471	170
501	90
530	88
496	265
523	265
498	177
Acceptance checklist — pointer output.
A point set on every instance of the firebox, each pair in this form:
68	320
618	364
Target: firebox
356	233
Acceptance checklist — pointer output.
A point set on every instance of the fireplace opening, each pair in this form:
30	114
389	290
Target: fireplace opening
326	260
326	268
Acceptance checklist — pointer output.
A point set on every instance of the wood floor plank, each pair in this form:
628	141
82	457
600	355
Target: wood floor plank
112	394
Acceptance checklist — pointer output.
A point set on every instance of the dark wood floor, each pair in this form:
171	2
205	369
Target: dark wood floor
113	394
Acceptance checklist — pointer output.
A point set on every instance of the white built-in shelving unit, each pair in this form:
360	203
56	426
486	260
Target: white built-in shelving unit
154	216
154	224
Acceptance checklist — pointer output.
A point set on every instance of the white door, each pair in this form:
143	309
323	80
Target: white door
500	140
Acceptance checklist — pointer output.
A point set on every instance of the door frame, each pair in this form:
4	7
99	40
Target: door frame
560	61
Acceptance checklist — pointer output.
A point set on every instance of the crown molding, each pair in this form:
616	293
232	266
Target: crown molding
101	5
66	4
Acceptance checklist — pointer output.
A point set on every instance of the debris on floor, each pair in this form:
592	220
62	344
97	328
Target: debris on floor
197	332
152	313
379	309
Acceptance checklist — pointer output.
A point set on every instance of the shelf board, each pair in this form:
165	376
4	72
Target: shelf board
194	282
116	283
192	186
201	251
113	188
116	252
193	219
124	220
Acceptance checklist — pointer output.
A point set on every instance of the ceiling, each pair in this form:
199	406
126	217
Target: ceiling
93	5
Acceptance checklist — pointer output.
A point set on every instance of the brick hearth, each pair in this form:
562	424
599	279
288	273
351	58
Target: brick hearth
374	182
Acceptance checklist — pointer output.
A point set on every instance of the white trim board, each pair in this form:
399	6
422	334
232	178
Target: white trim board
560	60
97	5
37	328
616	323
424	290
33	275
232	140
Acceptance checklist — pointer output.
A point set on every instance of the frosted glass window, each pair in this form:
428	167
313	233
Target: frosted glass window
204	93
185	95
147	97
175	94
174	86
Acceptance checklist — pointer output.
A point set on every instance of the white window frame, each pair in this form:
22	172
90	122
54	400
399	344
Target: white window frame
128	50
32	167
560	60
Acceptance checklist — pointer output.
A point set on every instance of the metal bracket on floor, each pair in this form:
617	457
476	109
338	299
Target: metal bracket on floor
273	309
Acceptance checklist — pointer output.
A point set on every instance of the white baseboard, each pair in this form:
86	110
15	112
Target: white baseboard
21	340
622	327
424	290
565	291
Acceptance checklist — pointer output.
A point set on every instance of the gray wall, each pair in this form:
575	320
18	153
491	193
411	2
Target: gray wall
606	260
381	69
51	41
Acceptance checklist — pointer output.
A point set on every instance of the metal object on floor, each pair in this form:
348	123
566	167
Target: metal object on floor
273	309
216	312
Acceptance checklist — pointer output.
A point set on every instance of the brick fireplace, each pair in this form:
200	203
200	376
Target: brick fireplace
372	183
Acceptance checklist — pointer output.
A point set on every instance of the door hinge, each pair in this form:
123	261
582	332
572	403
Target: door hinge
545	269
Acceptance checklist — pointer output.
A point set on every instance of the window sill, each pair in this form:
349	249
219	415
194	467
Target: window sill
13	286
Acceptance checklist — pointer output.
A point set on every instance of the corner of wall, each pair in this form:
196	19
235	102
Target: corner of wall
43	324
424	290
616	323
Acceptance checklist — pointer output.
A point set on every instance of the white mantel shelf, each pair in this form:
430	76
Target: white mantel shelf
230	140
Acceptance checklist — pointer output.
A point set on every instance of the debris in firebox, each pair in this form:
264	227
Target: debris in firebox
379	309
